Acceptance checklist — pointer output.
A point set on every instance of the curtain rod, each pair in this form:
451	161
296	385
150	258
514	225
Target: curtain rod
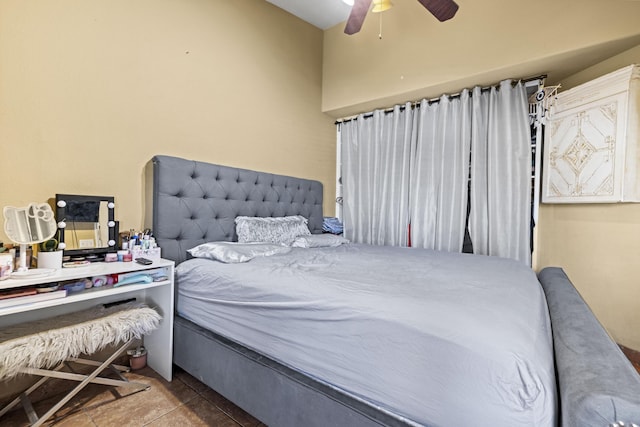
434	100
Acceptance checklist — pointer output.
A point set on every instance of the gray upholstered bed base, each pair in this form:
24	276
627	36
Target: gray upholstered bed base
273	393
597	383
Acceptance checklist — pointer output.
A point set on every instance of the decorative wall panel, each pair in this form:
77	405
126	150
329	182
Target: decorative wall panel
591	142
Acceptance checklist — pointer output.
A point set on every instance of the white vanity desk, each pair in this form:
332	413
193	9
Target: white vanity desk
158	295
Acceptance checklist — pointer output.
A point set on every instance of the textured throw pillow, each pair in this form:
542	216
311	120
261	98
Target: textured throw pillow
232	252
319	241
282	229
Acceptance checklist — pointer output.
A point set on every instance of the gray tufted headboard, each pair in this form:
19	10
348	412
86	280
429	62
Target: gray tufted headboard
195	202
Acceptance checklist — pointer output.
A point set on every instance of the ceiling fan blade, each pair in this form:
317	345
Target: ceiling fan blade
441	9
356	17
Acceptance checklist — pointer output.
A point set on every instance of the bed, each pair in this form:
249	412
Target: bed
350	335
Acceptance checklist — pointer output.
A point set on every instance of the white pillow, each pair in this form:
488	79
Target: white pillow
282	229
319	241
233	252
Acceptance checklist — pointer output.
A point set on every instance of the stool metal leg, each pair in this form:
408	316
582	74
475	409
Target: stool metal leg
97	363
28	391
90	378
28	408
77	377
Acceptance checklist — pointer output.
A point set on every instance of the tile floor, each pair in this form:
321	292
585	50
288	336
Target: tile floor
183	402
633	356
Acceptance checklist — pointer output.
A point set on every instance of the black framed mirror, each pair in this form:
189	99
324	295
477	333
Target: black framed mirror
86	225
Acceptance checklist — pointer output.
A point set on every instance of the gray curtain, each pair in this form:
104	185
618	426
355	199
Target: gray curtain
375	177
440	173
500	219
414	165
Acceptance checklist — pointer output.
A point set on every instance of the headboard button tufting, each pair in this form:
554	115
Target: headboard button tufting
227	193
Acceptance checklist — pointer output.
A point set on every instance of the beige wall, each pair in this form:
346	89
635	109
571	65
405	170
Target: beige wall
487	41
90	90
597	244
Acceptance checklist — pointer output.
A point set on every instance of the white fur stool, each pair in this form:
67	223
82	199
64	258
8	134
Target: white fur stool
43	347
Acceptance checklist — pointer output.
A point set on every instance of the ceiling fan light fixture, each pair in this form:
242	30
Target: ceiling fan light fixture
381	5
442	10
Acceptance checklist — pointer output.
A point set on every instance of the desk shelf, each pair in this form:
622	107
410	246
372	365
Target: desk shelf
158	295
94	269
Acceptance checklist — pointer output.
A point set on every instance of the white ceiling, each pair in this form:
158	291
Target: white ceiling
321	13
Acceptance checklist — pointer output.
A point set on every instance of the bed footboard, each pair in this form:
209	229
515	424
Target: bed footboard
597	383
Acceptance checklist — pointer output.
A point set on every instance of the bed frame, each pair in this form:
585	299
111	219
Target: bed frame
191	202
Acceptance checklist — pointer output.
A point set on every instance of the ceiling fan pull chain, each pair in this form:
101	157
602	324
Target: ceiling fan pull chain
380	31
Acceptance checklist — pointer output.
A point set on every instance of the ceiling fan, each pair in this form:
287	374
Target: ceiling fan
441	9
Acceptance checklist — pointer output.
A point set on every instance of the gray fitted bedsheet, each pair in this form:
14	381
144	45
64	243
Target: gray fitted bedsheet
436	338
